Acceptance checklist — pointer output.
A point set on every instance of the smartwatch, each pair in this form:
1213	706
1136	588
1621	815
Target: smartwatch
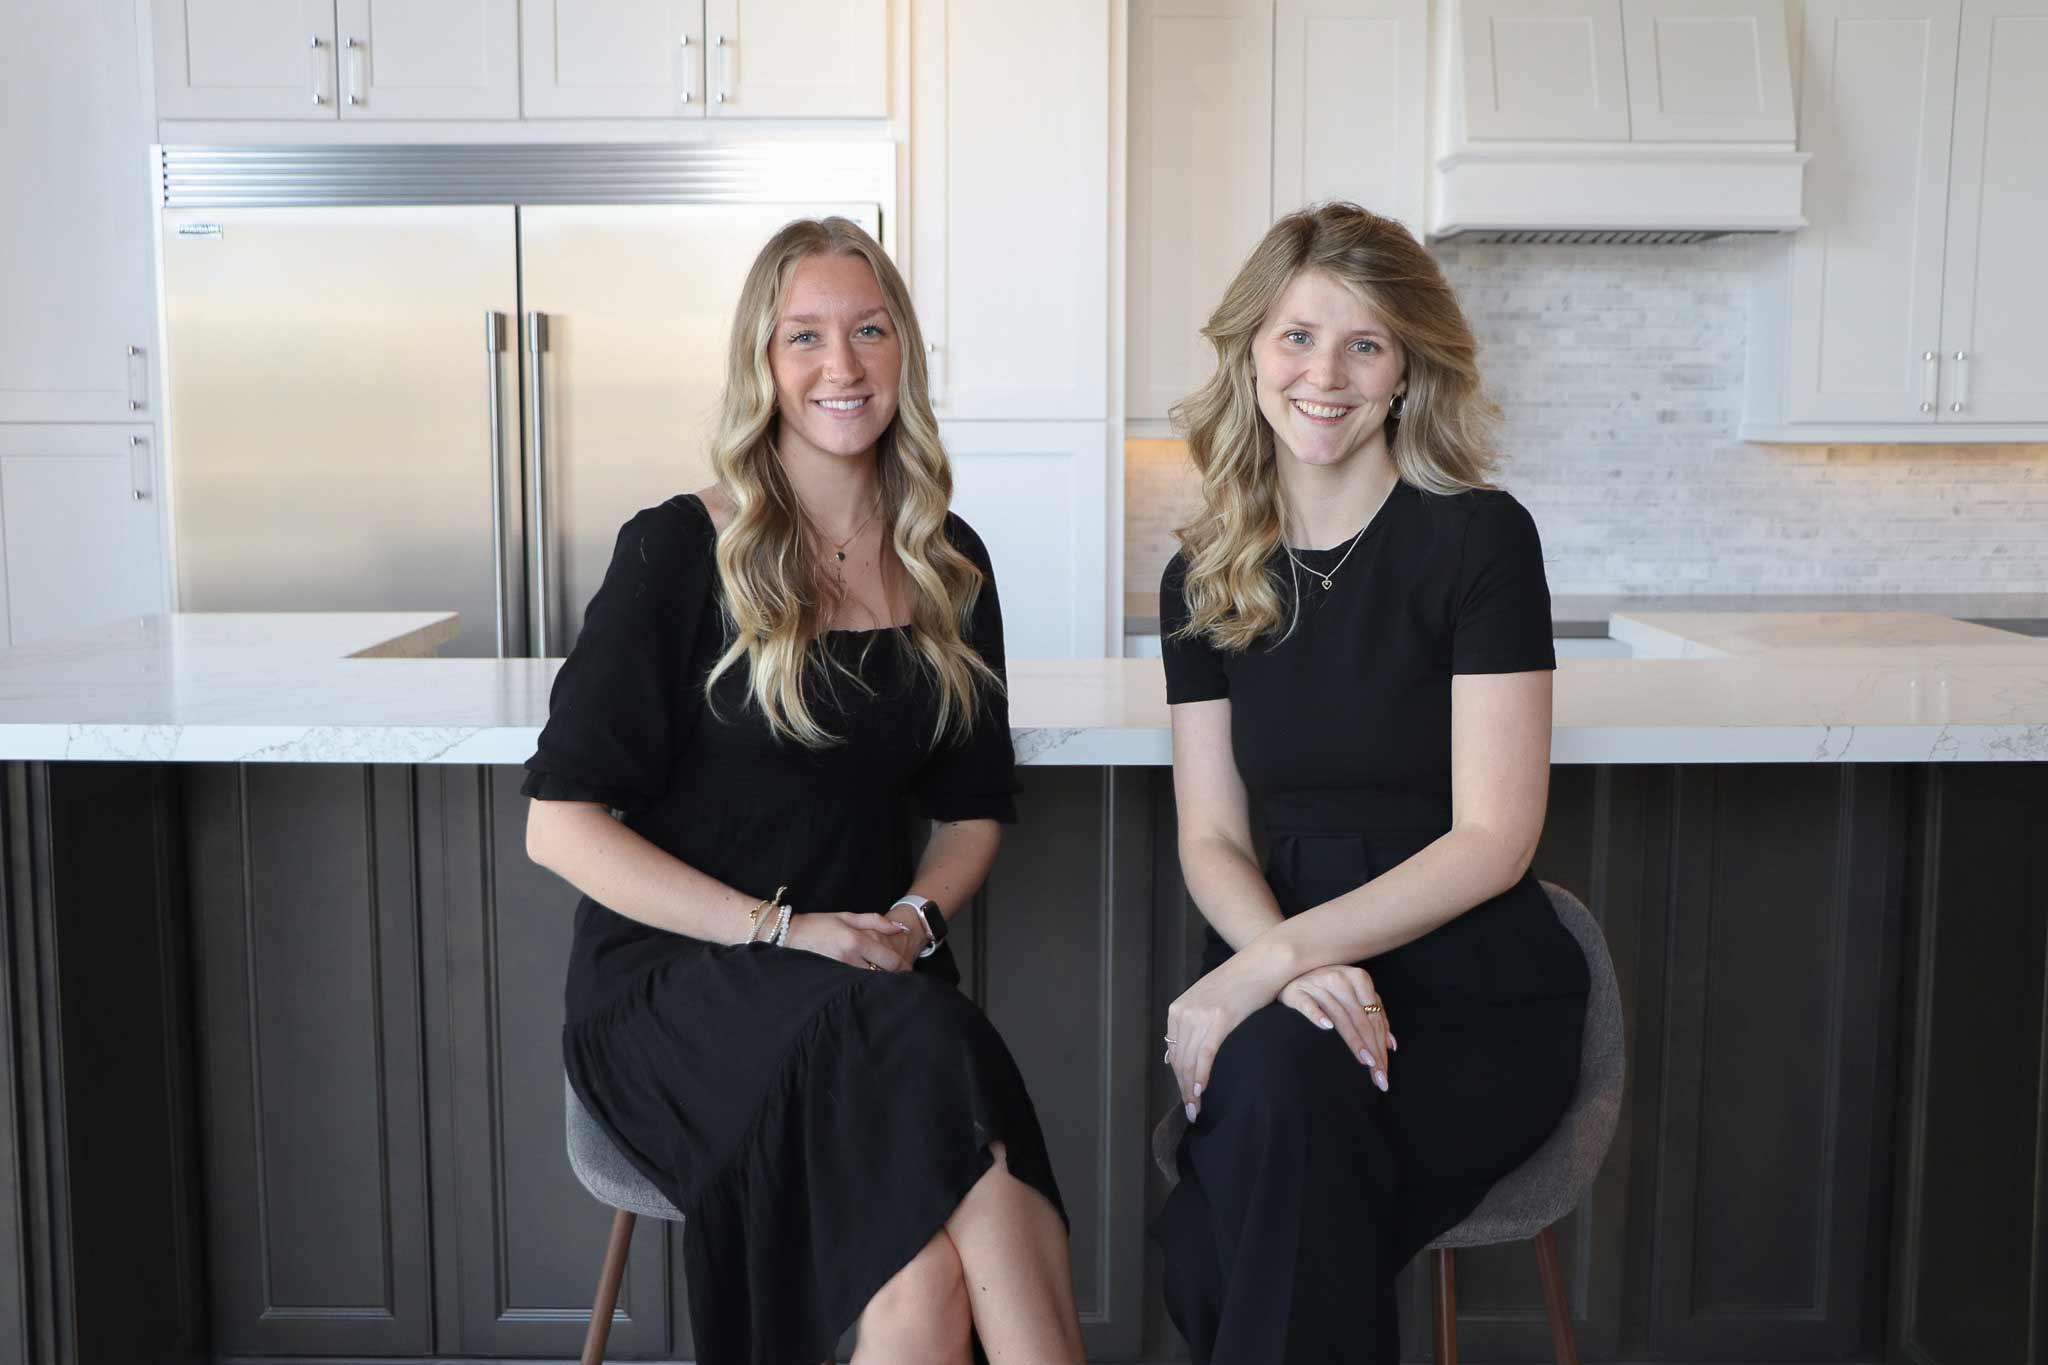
927	912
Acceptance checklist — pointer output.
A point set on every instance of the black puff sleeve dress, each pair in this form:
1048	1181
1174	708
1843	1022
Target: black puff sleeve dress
816	1123
1303	1188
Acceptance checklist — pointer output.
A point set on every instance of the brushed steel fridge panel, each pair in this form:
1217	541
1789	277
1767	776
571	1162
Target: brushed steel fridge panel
329	415
638	301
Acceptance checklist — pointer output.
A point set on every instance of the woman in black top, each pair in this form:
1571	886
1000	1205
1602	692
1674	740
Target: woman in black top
1358	656
761	1009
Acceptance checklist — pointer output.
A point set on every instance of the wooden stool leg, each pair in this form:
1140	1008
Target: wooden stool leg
1443	1304
608	1288
1561	1339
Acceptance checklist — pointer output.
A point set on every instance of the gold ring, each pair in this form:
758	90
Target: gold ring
873	968
1374	1008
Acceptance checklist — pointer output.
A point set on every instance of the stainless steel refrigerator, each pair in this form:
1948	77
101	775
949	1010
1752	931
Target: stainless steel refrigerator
440	405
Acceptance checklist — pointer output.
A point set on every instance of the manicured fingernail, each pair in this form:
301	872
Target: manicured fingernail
1324	1023
1379	1078
1191	1112
1366	1057
1198	1090
1392	1046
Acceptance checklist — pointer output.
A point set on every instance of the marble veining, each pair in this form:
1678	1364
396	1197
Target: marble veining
359	687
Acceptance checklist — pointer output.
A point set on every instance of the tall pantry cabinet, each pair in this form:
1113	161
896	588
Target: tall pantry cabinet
80	533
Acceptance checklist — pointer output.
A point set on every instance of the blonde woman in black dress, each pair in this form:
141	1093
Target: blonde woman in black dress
775	674
1358	656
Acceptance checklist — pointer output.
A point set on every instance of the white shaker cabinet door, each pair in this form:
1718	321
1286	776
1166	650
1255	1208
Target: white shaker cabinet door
1707	70
1864	290
797	58
79	530
1341	66
77	341
403	59
1544	70
1201	168
1036	493
1010	177
245	59
1995	297
612	58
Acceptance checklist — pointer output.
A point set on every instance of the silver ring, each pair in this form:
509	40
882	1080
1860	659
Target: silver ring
1169	1042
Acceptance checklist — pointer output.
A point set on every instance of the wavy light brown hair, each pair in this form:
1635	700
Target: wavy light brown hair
1442	441
776	600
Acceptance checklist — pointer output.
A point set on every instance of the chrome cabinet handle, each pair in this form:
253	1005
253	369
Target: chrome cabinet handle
138	468
685	59
494	395
1929	377
138	379
1962	397
724	68
355	70
313	46
933	360
537	473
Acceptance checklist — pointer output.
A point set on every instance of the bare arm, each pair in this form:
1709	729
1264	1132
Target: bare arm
955	863
1214	826
1500	785
579	842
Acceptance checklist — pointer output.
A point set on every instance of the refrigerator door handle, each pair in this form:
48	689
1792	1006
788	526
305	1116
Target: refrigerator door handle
494	347
537	473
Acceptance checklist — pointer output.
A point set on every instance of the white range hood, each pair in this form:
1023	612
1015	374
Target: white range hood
1613	121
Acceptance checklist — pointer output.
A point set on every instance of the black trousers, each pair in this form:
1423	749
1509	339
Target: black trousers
1303	1189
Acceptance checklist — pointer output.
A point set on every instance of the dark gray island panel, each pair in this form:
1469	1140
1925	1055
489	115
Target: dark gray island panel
311	1068
1822	966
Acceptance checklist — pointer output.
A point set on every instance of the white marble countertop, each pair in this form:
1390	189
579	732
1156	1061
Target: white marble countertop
1705	687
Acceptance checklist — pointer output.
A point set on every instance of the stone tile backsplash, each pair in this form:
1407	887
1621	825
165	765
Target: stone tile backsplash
1620	371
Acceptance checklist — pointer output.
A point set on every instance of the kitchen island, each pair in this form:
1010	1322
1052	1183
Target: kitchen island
282	996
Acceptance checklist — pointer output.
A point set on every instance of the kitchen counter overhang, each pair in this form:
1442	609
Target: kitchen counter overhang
364	687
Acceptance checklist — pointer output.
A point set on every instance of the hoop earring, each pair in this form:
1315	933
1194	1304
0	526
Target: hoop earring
1395	408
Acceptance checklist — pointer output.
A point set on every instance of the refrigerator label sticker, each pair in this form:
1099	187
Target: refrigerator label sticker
199	229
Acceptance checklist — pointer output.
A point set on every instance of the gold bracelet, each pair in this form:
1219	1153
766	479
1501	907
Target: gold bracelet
761	907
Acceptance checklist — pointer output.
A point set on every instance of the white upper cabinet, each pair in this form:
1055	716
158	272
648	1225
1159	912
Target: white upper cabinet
77	344
1910	309
798	58
613	58
428	58
1201	171
245	59
1010	207
1707	72
1865	285
1242	110
1350	105
1995	283
1544	70
508	59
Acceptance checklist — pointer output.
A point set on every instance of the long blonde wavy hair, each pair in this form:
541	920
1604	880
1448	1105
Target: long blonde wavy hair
776	601
1442	441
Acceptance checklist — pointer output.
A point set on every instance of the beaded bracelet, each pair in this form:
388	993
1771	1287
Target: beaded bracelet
782	927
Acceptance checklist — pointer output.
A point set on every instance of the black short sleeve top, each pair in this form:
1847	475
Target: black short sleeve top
1344	723
631	727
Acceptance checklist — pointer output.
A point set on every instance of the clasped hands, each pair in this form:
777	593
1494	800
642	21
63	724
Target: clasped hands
1339	999
887	943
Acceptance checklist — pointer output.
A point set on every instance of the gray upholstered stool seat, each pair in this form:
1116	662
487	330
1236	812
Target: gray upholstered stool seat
612	1180
1526	1202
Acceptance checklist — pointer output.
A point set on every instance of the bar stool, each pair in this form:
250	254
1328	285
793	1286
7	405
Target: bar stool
1527	1202
613	1180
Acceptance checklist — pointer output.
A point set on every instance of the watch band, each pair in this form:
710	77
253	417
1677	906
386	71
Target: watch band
929	915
